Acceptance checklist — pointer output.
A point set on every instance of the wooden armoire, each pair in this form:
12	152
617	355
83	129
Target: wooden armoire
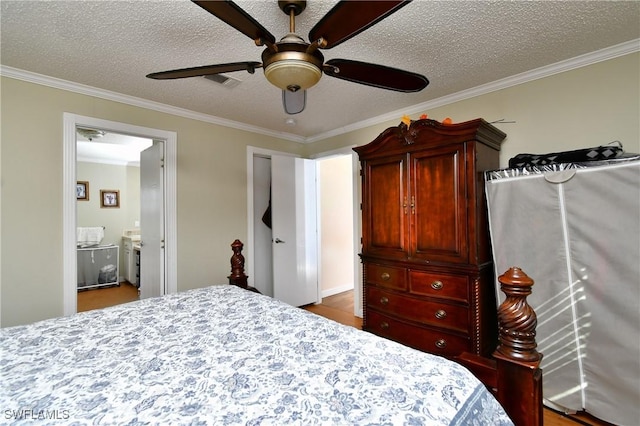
426	253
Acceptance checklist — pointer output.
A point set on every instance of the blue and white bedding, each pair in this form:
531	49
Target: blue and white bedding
226	356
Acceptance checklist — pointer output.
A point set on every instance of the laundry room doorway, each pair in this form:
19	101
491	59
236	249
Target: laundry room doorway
166	205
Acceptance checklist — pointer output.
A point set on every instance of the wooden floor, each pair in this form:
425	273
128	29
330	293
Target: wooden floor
97	298
340	309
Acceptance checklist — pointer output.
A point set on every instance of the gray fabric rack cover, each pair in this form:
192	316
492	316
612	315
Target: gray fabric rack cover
575	229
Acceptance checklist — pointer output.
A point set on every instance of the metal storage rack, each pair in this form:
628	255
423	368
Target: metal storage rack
98	266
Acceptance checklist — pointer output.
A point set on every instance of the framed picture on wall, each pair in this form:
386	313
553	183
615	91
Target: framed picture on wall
109	198
82	190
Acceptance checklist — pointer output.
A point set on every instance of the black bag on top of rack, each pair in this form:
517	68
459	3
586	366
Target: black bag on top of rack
598	153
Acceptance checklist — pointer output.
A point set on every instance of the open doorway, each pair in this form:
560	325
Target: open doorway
347	245
339	188
336	224
168	262
109	241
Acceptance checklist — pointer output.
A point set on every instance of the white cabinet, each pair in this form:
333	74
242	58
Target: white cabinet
130	260
126	264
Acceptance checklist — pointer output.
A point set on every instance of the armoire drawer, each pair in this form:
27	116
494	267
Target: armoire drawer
455	287
425	339
417	310
386	276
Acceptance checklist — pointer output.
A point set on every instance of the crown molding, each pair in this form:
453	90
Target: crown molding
82	89
612	52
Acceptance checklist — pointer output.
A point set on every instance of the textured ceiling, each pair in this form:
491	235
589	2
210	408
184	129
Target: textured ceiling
112	148
457	45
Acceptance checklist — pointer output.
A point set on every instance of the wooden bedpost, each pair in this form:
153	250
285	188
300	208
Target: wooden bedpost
519	379
516	319
237	277
513	374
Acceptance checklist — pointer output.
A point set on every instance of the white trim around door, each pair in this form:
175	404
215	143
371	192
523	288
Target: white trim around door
70	122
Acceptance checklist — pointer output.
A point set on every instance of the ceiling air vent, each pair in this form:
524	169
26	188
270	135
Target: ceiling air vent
223	80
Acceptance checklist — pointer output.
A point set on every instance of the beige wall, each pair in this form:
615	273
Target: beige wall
211	192
585	107
336	224
580	108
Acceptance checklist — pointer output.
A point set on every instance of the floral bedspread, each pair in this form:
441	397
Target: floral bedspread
225	356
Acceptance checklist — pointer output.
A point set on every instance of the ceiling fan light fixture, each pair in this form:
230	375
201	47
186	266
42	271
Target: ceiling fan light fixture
293	74
90	134
291	66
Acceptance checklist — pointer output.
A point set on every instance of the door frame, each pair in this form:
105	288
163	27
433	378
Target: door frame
357	234
69	214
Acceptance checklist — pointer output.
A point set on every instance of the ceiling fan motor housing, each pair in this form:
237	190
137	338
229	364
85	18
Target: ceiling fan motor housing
292	67
295	6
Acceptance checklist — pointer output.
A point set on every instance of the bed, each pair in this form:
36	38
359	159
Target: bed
225	355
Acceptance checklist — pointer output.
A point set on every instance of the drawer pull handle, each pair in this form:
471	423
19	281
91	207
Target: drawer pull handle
437	285
441	314
385	276
384	325
384	300
441	343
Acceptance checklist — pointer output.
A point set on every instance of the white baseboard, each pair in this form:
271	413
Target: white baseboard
337	290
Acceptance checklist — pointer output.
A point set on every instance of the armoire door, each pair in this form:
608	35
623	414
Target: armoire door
438	205
387	204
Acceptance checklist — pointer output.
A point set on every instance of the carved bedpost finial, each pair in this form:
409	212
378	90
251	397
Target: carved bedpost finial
237	276
517	320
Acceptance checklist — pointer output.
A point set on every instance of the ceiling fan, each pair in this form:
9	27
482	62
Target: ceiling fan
294	65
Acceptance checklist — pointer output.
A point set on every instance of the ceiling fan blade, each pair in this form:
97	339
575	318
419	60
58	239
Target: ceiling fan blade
349	18
205	70
375	75
233	15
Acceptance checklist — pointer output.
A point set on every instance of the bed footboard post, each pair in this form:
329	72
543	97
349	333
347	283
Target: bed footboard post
237	277
518	362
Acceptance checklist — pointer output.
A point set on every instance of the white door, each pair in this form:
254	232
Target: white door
294	230
152	276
